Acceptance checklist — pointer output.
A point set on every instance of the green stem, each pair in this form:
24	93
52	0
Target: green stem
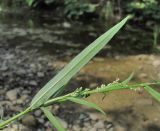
57	99
4	123
72	94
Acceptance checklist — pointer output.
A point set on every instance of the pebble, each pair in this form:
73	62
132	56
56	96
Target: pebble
29	121
16	108
38	113
16	127
99	124
33	83
143	75
40	120
93	129
40	74
66	25
93	116
12	94
156	63
119	128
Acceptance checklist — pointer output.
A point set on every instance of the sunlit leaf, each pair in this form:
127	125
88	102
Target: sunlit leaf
153	92
62	78
53	120
86	103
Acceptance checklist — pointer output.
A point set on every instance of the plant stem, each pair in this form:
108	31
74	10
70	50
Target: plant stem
75	94
3	124
57	99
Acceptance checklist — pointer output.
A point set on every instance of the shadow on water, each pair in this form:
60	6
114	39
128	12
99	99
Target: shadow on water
52	34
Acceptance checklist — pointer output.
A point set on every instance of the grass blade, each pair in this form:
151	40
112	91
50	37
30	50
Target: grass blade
86	103
128	79
62	78
30	2
153	92
53	120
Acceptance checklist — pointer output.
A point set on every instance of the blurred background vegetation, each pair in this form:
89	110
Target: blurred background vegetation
143	10
146	12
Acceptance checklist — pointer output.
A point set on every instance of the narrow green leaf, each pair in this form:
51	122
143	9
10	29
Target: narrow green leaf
128	79
111	87
30	2
153	92
62	78
53	120
86	103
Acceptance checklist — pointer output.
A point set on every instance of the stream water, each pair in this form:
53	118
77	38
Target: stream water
55	41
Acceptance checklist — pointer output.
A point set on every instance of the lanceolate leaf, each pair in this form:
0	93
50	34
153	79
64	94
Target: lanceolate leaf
62	78
153	92
53	120
86	103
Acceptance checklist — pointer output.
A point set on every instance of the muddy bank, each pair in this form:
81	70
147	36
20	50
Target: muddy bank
134	110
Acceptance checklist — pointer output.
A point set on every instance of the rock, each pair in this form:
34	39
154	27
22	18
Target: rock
17	127
93	129
55	109
21	71
2	92
119	128
29	121
82	116
40	120
38	113
93	116
48	129
33	83
15	108
66	25
156	63
2	103
159	76
143	75
93	85
24	97
47	124
40	74
12	94
99	124
76	128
